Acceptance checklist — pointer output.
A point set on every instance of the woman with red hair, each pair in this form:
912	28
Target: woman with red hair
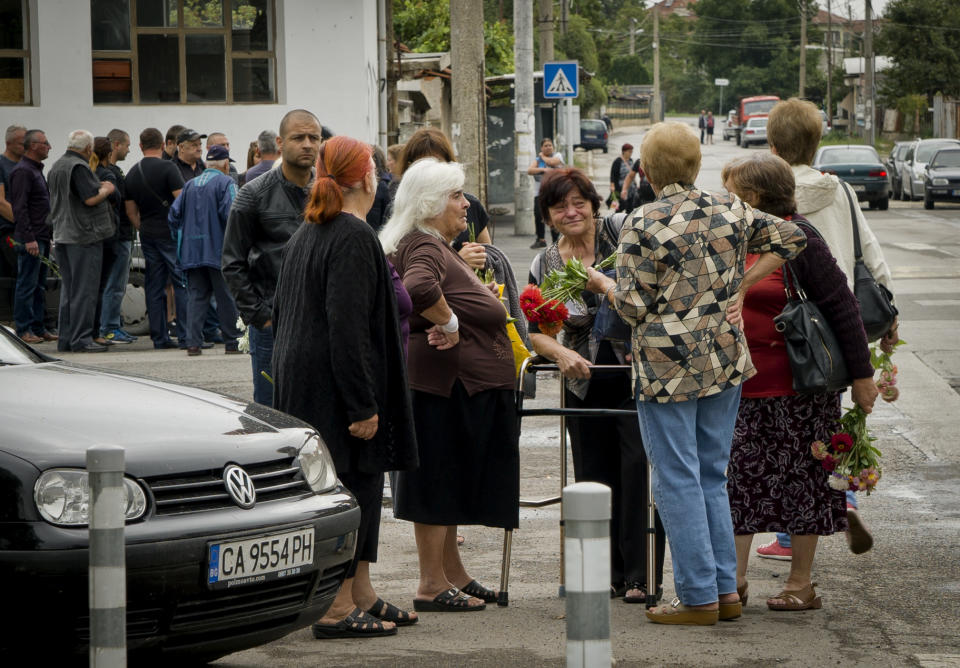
338	364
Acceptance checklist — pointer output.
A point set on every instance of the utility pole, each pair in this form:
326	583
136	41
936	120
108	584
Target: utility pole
829	66
655	104
868	114
523	118
633	37
803	49
545	30
564	15
468	93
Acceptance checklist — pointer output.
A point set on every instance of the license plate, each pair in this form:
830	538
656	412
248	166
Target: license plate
859	188
261	558
956	193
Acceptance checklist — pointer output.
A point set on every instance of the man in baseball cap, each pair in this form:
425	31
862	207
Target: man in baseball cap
189	150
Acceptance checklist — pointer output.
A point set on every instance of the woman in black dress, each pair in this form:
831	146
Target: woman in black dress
462	377
338	363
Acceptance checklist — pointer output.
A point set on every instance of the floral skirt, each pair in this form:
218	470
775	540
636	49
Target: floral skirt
774	483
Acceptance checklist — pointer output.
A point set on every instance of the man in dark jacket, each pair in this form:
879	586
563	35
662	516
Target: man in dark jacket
81	220
198	219
265	214
30	203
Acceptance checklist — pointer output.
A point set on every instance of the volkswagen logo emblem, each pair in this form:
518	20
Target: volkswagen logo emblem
240	486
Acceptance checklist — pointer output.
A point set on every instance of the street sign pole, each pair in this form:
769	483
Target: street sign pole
721	83
561	81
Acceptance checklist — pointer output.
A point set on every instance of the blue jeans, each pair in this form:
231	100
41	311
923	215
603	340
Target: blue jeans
115	287
29	302
160	256
688	444
784	538
261	357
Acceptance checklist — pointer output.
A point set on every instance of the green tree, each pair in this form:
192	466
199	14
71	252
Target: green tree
577	44
424	27
922	37
628	70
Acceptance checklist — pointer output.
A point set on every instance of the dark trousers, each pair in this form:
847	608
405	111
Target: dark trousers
610	451
160	256
538	222
109	259
368	490
80	266
202	284
28	297
261	357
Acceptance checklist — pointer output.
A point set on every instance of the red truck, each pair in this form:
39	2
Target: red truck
749	107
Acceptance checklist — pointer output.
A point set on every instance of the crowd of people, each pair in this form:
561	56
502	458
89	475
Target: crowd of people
356	274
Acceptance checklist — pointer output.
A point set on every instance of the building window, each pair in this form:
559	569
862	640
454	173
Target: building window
183	51
14	53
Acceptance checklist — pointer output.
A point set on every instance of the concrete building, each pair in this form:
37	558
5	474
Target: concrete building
233	66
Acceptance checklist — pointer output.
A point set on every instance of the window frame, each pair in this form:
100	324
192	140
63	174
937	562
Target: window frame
24	54
181	31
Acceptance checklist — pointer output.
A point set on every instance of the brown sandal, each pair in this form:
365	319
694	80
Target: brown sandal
796	599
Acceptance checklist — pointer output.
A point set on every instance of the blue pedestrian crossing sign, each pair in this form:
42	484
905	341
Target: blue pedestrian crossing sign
561	80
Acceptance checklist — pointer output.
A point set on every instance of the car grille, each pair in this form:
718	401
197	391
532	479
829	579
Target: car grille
204	490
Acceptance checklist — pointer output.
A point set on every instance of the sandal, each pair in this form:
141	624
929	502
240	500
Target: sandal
357	624
452	600
796	599
642	598
388	612
677	613
477	590
730	611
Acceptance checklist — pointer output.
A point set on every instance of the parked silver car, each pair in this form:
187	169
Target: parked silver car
755	132
894	165
915	165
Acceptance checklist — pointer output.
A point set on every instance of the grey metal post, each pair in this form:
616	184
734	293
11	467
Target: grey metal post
107	572
586	516
563	485
651	541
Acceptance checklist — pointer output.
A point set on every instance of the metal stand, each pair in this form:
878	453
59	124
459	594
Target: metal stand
534	365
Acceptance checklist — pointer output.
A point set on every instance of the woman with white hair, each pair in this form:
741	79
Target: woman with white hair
461	374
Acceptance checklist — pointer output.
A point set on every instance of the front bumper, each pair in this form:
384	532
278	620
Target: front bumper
170	607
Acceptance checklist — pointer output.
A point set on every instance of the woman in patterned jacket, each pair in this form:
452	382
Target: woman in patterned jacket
680	266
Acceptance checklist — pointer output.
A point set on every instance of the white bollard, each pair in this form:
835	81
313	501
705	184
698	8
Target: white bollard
107	572
586	520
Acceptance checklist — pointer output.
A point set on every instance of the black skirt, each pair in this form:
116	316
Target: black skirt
469	461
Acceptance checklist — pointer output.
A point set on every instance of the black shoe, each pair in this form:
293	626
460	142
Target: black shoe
193	351
231	349
539	243
91	348
165	345
183	345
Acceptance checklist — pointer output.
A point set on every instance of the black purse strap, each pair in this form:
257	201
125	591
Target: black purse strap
857	253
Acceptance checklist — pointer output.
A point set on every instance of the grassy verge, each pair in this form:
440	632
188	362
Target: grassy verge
835	137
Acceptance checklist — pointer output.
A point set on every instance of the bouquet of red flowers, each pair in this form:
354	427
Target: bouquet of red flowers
549	315
850	459
51	265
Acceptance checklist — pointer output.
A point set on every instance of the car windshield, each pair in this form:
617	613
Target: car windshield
946	159
13	351
758	107
926	151
857	155
593	125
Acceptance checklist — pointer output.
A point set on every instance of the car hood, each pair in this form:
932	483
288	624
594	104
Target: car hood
945	172
53	412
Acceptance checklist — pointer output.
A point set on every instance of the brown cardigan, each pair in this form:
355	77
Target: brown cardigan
483	359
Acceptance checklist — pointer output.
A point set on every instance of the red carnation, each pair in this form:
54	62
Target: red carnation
530	302
554	311
10	242
842	442
828	463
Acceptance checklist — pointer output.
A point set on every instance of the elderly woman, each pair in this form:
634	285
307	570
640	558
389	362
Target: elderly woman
461	376
680	264
775	482
338	364
606	450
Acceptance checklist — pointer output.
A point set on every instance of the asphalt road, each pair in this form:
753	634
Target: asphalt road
898	604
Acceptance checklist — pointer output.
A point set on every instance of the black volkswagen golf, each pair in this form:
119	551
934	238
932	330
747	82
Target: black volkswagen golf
237	528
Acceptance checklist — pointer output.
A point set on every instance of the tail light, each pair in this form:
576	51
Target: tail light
604	135
878	172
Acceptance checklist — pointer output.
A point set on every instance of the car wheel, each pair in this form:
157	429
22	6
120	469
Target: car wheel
883	204
927	203
872	204
604	149
133	309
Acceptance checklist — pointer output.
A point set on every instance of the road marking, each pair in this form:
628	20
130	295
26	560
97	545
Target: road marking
938	302
924	272
938	660
922	248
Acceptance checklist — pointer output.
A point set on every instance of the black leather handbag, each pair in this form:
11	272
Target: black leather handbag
816	360
876	301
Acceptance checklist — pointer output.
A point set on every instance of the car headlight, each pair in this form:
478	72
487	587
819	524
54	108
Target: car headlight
940	181
63	497
317	465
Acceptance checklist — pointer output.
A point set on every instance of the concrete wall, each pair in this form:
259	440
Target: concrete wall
326	62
